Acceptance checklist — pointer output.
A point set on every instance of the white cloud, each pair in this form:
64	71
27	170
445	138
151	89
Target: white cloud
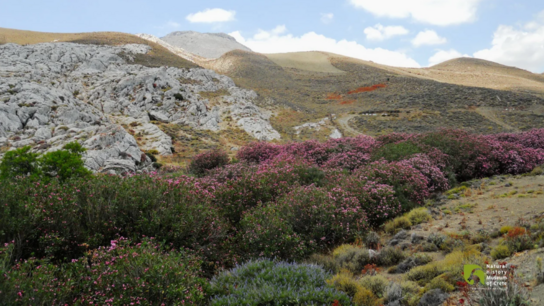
379	32
521	47
428	37
212	16
436	12
327	18
281	42
445	55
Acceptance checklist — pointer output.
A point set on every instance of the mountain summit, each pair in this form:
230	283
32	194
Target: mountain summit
208	45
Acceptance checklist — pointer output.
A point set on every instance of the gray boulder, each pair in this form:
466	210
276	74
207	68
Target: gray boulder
433	297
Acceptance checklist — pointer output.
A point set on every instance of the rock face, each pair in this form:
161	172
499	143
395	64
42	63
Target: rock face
55	93
208	45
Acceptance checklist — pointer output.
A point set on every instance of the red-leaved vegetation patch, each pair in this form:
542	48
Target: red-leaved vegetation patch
340	97
334	96
367	89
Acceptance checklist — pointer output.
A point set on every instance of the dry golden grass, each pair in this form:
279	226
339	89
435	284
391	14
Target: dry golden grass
309	61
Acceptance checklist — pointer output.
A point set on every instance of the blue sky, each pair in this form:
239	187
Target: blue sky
394	32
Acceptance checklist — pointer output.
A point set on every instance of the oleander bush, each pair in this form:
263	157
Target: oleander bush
63	219
121	274
323	218
287	201
409	184
265	282
206	161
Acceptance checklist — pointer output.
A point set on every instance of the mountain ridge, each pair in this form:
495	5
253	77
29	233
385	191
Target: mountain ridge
207	45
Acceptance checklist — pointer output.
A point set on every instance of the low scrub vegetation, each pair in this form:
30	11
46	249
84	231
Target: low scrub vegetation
291	202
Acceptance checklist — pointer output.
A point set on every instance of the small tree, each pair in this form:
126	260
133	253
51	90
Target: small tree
65	163
19	162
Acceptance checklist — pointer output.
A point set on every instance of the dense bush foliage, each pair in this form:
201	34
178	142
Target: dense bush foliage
62	164
264	282
410	185
62	220
285	201
208	160
121	274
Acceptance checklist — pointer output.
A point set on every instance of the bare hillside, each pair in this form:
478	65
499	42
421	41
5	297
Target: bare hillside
207	45
303	88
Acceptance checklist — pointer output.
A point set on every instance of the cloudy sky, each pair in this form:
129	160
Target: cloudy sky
411	33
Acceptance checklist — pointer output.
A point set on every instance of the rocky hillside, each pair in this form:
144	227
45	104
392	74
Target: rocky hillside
208	45
54	93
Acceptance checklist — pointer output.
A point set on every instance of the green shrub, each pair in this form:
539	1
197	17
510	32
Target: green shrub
151	156
372	240
311	175
264	282
439	283
419	215
365	297
396	225
64	164
87	213
19	162
346	283
323	218
377	284
424	274
327	262
501	251
429	247
121	274
352	258
396	151
389	256
265	233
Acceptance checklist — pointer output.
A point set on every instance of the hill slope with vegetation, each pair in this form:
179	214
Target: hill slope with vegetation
317	202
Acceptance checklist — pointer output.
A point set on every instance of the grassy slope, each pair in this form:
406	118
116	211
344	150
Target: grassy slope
424	104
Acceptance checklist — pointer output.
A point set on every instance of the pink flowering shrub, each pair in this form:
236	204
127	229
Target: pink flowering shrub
262	184
394	138
348	160
409	184
436	179
467	153
206	161
323	218
530	139
377	200
311	150
513	158
257	152
359	144
121	274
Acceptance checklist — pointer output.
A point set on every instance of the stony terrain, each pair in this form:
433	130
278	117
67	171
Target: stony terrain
207	45
481	210
54	93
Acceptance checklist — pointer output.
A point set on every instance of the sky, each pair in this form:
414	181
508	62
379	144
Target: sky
407	33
